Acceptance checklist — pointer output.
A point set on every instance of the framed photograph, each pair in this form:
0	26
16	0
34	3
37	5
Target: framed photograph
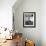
29	19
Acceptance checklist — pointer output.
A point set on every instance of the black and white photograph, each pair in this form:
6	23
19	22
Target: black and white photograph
29	19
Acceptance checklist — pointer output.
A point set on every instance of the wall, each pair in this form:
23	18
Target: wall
6	13
6	17
28	6
43	22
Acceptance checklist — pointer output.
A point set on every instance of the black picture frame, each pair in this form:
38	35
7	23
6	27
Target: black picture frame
29	19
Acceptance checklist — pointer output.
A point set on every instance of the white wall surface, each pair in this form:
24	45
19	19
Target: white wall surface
43	22
29	33
38	34
6	13
27	5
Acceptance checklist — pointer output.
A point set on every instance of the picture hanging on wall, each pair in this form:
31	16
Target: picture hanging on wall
29	19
